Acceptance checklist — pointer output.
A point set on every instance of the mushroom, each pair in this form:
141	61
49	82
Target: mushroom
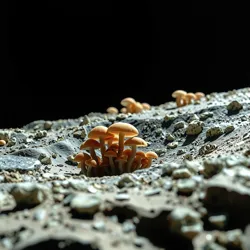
123	130
112	110
90	163
146	106
111	154
134	142
91	145
138	107
81	158
100	132
179	95
199	95
129	103
112	139
189	97
144	163
114	147
138	157
2	142
121	160
150	155
124	110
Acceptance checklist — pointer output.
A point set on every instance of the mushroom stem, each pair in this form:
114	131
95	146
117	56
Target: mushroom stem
121	144
180	101
93	155
102	142
149	163
131	158
112	165
83	167
89	171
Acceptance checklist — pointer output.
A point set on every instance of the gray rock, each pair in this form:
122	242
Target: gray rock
222	191
122	197
85	203
13	162
99	225
186	186
214	131
194	128
126	181
170	137
168	168
40	214
180	124
206	115
186	222
181	173
207	148
213	246
28	193
219	221
151	192
172	145
229	129
234	106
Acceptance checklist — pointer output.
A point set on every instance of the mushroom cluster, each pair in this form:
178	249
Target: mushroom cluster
114	157
183	98
130	105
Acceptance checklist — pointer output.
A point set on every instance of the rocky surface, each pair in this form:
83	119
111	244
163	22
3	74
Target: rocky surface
196	195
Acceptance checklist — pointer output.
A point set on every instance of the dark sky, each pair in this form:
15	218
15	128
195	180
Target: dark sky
64	59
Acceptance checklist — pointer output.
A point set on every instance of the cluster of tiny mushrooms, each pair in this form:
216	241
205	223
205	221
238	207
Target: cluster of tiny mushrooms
115	159
130	105
183	98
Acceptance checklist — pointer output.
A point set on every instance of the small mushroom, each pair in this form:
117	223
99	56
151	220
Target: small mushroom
189	97
146	106
111	154
150	155
81	158
100	132
180	97
112	110
138	107
138	157
91	145
90	163
129	103
2	142
123	130
124	110
199	95
121	161
134	142
144	163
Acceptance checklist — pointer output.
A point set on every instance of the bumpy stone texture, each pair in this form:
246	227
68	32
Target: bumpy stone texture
13	162
198	183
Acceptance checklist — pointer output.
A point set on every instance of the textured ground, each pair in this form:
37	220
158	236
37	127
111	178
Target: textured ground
196	195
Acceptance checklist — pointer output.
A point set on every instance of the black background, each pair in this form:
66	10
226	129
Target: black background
64	59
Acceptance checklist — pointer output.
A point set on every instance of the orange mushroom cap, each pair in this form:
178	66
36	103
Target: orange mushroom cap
98	131
127	101
112	110
151	155
121	127
81	157
146	106
178	93
199	95
139	142
90	143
